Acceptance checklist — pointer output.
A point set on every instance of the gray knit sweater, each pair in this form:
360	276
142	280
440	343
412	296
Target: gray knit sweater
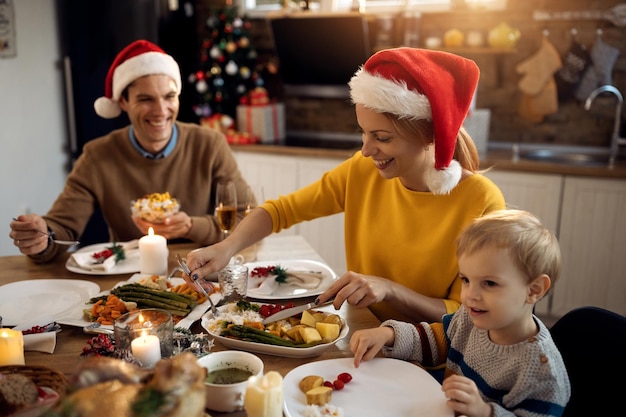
525	379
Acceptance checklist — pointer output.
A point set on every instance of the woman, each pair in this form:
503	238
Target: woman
405	196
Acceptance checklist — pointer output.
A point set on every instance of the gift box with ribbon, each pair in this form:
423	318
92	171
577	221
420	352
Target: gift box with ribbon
267	121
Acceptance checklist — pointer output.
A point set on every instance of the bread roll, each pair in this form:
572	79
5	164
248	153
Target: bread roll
16	392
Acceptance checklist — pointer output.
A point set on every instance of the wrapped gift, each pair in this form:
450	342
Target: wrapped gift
267	122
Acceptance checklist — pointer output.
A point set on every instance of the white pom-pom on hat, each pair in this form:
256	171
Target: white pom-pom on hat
422	84
138	59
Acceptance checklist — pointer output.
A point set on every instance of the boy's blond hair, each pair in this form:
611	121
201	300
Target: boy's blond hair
533	248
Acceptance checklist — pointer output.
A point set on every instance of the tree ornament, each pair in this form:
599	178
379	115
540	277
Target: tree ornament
231	47
231	68
215	52
201	86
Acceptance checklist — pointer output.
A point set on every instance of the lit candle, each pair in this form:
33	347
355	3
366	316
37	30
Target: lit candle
146	349
11	347
264	395
153	254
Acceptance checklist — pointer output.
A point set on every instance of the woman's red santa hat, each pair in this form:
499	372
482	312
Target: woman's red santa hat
137	60
421	84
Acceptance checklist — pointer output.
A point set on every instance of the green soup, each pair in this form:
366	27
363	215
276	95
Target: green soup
228	376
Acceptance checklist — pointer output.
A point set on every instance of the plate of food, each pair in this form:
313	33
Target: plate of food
295	337
288	279
379	387
56	298
105	259
148	291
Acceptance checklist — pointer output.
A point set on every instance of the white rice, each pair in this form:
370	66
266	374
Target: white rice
230	313
327	410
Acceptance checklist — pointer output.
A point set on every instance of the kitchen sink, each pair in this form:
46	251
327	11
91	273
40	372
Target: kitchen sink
565	157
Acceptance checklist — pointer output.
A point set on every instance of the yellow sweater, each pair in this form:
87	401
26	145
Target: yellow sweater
392	232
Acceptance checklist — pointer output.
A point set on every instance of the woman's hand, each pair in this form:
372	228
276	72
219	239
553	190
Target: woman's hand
205	261
357	289
173	227
464	397
365	344
29	234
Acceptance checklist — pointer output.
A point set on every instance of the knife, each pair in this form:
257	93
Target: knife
288	312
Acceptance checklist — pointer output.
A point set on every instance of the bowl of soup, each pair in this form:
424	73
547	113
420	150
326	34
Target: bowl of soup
227	377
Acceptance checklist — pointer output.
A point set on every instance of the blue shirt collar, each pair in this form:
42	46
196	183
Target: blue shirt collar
165	152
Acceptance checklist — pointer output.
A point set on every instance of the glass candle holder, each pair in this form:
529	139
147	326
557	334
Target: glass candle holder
147	335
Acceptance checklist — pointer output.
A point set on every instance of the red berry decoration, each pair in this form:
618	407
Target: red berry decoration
329	384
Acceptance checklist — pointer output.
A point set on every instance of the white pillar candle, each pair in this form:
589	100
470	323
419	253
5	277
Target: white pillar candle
153	254
11	347
264	395
146	349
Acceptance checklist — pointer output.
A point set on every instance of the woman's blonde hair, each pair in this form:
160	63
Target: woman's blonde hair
530	245
465	151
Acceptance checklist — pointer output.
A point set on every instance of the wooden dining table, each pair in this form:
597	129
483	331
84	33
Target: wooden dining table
71	339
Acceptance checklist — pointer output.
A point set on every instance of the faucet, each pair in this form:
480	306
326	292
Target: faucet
616	140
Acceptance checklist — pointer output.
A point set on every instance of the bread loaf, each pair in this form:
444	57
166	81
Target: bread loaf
16	392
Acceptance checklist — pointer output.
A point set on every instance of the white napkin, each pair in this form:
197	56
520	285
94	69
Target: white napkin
41	342
86	261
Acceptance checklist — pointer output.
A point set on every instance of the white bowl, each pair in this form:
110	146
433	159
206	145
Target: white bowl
229	397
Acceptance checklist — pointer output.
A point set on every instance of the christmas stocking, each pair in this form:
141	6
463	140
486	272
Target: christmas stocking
603	57
568	77
539	69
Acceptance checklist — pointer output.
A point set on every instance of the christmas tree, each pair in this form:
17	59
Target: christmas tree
227	70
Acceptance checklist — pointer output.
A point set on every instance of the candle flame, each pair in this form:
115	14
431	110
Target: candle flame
150	231
144	333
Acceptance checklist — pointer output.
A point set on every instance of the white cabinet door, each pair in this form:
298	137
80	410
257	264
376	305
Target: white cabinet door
273	174
326	235
539	194
593	243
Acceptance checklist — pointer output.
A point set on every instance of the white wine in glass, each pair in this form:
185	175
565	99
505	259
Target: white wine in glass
226	206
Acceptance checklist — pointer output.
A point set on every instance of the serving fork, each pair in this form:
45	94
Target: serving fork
186	270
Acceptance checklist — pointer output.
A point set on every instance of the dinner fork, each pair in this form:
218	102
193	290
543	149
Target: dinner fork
57	241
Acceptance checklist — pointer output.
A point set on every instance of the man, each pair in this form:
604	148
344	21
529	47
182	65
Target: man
154	154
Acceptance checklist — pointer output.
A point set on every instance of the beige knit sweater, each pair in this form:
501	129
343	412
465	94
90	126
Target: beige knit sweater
110	173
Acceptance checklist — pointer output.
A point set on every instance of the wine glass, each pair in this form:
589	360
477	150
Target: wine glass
226	206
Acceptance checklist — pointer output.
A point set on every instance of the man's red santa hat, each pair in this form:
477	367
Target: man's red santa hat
138	59
421	84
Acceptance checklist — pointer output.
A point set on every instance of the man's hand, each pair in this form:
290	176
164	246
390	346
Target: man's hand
29	234
173	227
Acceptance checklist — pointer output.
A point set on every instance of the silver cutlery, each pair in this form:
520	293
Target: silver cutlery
96	328
186	270
288	312
57	241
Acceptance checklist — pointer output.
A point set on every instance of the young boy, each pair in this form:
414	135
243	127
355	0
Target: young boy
500	358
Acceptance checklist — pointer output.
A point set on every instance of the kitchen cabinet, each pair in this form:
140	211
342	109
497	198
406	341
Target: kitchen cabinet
538	193
282	174
593	243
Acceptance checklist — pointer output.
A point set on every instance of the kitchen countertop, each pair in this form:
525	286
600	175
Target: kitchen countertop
499	159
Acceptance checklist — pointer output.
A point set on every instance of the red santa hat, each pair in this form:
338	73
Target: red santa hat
421	84
137	60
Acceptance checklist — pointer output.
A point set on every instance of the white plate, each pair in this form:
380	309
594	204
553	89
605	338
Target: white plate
284	291
195	314
57	298
129	265
379	387
284	351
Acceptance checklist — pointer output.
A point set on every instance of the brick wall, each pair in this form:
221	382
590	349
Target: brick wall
497	90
